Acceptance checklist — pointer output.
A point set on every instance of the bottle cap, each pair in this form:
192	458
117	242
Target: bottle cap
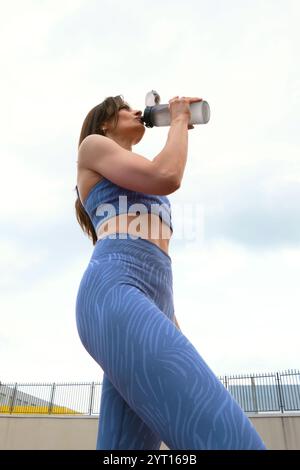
152	98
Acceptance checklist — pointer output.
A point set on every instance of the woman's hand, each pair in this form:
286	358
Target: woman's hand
180	107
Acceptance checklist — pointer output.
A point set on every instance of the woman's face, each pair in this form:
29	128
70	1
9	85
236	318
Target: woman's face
129	125
130	119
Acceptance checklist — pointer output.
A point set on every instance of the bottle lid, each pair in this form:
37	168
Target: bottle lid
152	98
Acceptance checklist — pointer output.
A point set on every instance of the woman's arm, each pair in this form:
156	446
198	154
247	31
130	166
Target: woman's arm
176	323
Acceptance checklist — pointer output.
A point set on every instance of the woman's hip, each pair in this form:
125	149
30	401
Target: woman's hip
133	262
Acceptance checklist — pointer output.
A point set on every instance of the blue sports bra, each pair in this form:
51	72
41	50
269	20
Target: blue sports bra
106	200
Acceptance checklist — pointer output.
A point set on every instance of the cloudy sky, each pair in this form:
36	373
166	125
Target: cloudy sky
236	289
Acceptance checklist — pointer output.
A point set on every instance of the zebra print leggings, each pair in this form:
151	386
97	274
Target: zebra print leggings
156	386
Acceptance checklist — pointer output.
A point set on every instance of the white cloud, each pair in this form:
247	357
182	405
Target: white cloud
40	330
237	306
15	261
32	196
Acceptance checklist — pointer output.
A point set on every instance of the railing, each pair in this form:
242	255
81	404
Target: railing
255	393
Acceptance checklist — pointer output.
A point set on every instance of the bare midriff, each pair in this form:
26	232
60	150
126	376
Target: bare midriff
148	226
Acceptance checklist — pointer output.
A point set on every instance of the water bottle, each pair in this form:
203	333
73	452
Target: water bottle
156	114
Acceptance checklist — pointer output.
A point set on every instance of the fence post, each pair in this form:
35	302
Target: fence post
253	388
226	383
13	398
279	392
92	398
51	399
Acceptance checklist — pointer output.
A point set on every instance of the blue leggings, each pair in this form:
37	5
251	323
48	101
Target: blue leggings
156	386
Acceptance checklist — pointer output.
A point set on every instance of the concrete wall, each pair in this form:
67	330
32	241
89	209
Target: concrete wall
69	432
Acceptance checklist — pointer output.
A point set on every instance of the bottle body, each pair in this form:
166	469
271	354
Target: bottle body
159	115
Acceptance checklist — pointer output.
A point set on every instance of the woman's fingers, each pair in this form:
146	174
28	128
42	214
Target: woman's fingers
190	99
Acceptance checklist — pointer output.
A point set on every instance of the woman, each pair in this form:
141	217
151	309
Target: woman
156	386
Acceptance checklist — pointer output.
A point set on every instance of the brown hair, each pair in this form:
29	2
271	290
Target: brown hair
103	112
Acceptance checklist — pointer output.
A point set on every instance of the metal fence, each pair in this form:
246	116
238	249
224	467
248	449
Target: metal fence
255	393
